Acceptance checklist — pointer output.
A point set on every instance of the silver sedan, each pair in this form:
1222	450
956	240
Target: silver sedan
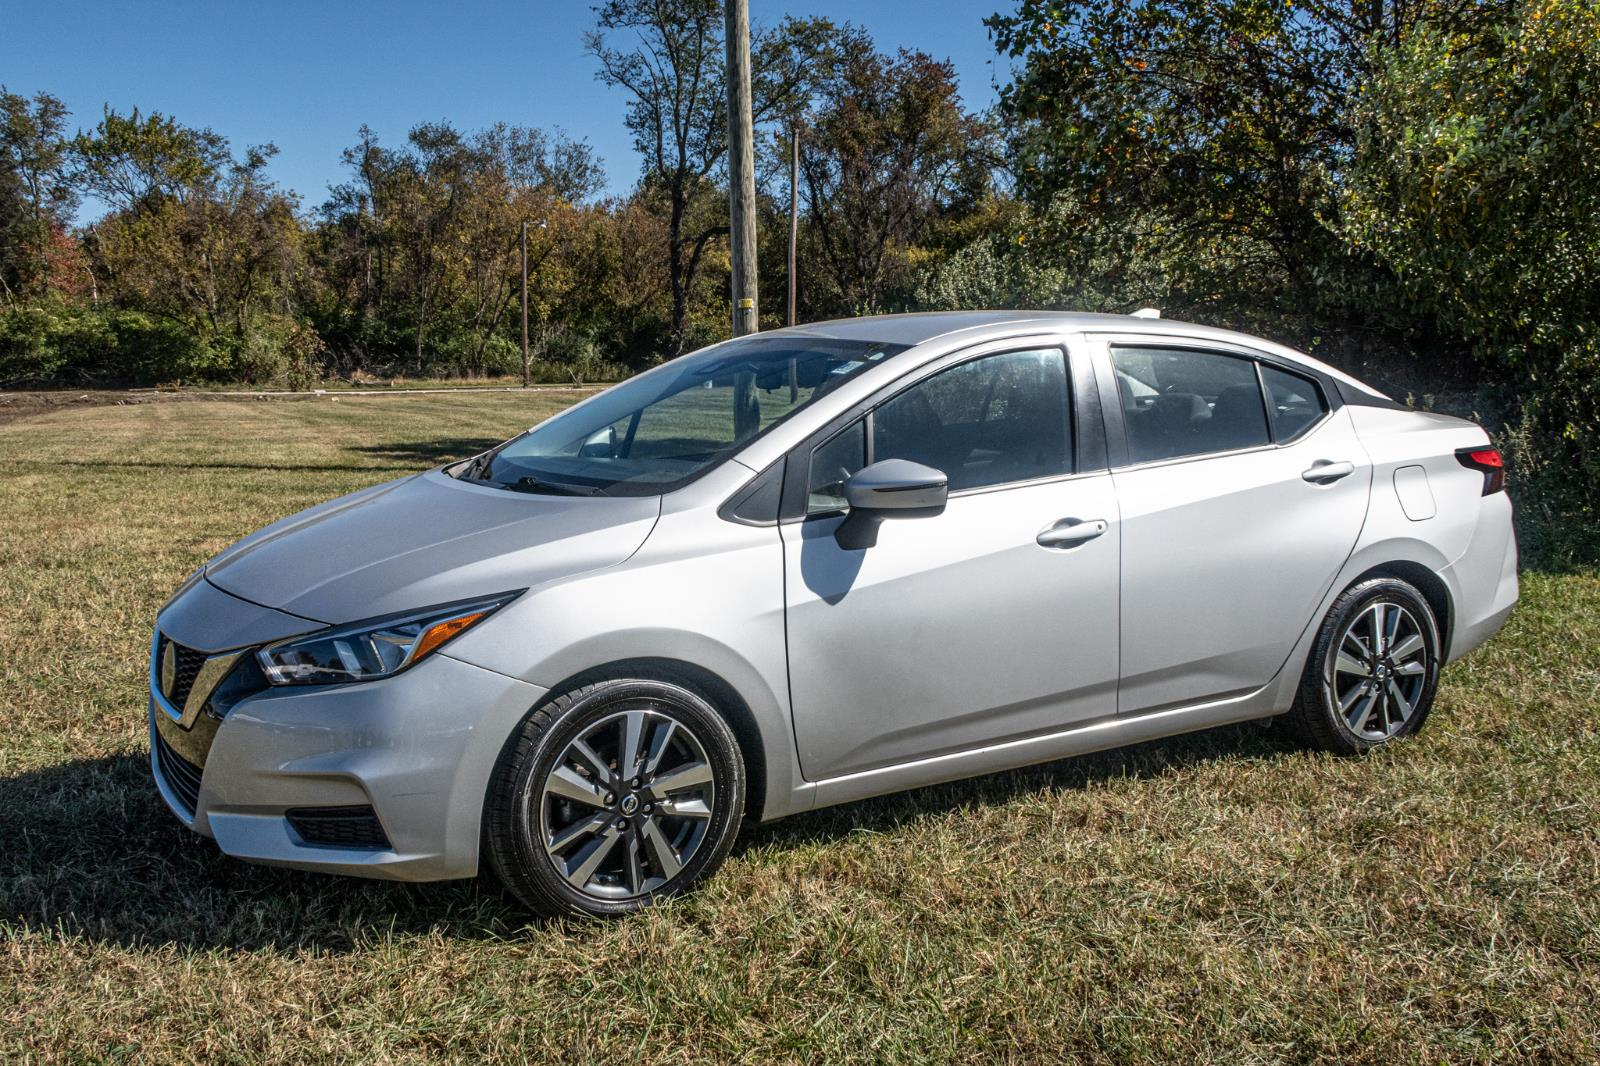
815	565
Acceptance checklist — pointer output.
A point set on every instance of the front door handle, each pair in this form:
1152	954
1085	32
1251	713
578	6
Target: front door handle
1070	532
1326	472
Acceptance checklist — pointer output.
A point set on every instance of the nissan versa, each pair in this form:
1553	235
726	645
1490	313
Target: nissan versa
814	565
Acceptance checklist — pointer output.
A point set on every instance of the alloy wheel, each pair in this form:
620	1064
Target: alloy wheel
627	804
1378	670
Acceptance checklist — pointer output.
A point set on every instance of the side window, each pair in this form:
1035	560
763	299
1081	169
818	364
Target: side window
832	463
1297	402
993	420
1180	402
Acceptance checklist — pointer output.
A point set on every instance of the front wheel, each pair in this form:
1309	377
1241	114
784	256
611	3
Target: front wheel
1373	670
612	796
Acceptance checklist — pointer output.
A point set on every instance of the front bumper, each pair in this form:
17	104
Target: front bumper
418	748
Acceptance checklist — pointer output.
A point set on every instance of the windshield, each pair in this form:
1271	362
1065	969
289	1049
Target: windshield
660	430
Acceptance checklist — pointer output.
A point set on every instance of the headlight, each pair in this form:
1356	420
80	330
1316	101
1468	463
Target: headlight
366	651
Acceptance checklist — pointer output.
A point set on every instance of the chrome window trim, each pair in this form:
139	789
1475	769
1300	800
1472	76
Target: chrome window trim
1007	486
1102	343
1229	454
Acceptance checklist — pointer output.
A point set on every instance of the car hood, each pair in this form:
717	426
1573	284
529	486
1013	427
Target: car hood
424	540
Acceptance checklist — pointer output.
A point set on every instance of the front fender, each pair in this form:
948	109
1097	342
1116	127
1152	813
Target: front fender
702	591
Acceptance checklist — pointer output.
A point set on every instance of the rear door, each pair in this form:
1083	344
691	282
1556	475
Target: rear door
1242	492
993	621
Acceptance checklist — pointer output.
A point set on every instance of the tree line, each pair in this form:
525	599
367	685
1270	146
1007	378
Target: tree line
202	268
1409	188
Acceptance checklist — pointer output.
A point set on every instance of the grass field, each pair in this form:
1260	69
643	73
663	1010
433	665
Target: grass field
1218	896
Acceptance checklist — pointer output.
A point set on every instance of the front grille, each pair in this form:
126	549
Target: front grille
181	774
344	827
188	663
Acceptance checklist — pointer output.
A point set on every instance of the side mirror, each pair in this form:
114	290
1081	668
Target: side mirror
601	445
893	488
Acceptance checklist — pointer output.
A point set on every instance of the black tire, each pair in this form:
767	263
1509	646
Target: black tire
526	807
1400	695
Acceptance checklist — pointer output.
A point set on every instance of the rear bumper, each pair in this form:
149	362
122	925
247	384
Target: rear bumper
417	748
1484	579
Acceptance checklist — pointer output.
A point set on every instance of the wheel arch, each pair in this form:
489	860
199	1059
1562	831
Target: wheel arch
1431	585
708	686
1413	561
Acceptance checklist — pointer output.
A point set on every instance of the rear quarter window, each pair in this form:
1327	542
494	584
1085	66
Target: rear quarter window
1296	403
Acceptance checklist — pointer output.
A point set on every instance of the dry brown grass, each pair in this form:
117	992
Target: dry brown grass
1220	896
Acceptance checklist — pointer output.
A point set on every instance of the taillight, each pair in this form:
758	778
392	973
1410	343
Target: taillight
1489	462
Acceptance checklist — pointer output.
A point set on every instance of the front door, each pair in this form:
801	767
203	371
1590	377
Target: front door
993	621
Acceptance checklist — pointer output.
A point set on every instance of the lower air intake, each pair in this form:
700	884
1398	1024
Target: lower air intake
339	827
183	776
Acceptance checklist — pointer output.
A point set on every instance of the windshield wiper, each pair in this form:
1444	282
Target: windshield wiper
478	468
552	488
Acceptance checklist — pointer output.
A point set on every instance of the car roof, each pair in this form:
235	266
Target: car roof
921	327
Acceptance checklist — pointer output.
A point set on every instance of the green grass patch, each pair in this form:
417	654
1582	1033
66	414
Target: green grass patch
1217	896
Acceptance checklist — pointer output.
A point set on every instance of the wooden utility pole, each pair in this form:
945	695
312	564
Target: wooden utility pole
794	217
524	303
741	169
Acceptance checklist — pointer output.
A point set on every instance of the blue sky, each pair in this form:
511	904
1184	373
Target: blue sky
306	75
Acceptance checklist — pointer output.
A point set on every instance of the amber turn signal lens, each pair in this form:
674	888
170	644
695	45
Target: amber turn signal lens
439	634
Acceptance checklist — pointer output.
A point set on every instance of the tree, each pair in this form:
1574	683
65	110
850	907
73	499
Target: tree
193	235
134	162
1476	178
421	243
36	195
888	151
1476	183
1212	133
672	71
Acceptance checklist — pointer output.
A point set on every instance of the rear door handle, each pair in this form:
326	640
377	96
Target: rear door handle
1326	472
1070	532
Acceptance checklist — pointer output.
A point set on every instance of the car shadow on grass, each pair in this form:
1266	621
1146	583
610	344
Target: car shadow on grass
1248	740
91	851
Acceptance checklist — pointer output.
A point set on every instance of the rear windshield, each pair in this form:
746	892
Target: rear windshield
661	430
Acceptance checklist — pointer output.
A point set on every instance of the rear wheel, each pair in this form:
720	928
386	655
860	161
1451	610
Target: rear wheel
613	796
1373	670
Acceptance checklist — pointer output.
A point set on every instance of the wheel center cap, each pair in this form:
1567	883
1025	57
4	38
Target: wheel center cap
630	803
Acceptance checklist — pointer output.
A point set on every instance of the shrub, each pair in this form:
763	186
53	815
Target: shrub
154	350
277	350
52	341
303	353
259	359
26	354
572	355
